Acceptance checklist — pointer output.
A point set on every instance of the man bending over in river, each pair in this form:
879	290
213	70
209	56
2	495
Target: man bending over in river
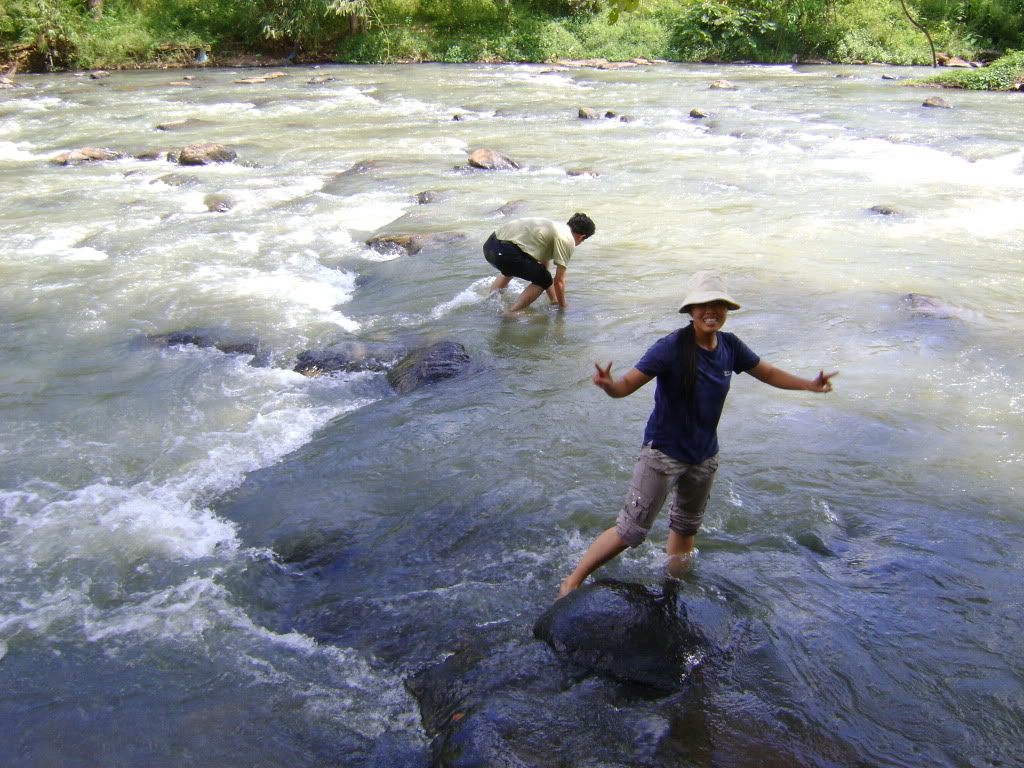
523	247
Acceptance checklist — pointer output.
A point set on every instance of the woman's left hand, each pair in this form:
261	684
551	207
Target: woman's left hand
822	383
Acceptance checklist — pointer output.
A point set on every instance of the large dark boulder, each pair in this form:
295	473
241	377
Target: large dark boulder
349	356
626	631
428	365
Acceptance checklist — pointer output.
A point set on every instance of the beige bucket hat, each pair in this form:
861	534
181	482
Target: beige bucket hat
704	287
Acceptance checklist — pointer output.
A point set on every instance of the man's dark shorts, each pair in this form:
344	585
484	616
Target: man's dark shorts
512	261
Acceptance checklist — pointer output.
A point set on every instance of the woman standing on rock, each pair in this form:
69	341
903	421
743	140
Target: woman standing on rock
693	366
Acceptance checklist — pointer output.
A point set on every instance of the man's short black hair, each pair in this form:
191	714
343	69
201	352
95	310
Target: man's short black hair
581	224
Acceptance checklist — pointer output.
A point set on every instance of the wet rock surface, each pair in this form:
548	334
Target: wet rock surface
626	631
428	365
220	340
349	356
206	153
411	244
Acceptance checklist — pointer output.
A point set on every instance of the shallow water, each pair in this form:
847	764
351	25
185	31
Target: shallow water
154	499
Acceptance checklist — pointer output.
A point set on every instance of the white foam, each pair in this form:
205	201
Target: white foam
15	151
370	211
86	253
474	294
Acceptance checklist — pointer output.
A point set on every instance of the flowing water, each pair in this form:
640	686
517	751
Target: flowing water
152	498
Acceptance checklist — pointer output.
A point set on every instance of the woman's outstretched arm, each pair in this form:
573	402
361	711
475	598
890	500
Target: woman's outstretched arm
777	377
626	385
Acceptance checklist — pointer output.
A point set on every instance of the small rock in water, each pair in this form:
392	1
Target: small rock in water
936	101
411	244
206	153
428	196
491	160
176	180
217	203
723	85
184	125
886	210
86	155
511	208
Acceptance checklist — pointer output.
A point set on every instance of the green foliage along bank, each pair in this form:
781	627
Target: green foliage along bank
1004	74
44	35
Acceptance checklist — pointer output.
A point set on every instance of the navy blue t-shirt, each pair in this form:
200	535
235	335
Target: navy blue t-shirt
690	434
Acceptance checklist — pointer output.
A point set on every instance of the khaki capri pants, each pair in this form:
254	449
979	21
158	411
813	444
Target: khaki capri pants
654	477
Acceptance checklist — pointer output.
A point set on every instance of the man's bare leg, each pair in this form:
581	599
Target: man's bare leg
680	553
527	297
604	548
500	283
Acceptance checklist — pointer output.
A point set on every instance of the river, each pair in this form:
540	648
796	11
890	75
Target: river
206	562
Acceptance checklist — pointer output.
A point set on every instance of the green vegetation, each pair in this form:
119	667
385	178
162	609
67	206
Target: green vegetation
1005	74
84	34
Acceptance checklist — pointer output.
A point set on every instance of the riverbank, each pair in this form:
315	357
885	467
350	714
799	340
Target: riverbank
145	35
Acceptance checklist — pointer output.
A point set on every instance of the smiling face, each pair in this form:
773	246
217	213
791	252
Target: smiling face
710	317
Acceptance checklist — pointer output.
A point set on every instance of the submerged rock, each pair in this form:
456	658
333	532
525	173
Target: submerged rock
886	210
185	125
218	203
348	356
429	196
176	180
410	244
511	208
934	306
355	179
428	365
623	630
227	344
723	85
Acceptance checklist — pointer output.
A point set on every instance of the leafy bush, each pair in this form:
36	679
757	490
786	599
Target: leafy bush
1005	74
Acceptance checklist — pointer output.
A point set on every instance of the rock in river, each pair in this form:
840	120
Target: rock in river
491	160
86	155
410	244
349	356
206	153
623	630
428	365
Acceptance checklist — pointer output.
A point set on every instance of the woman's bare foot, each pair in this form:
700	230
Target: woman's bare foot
567	586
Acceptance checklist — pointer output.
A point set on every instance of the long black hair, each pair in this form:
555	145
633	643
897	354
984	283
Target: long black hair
686	355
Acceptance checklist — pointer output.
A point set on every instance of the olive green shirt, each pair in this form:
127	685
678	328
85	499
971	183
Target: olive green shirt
544	239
